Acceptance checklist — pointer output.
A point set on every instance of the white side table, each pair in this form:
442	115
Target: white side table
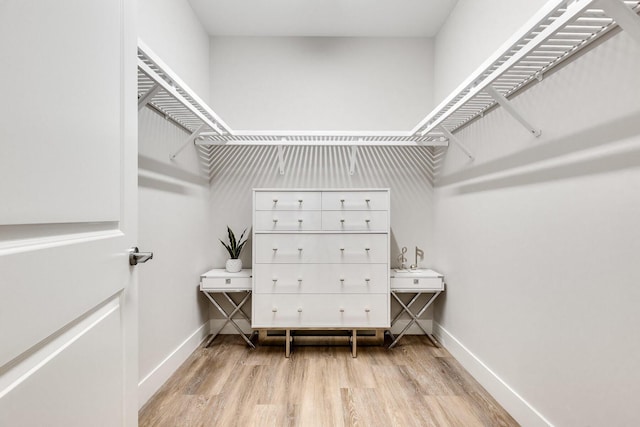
417	282
220	282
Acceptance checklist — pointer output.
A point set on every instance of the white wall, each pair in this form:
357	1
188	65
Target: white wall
310	83
316	83
172	30
473	31
174	219
174	223
539	243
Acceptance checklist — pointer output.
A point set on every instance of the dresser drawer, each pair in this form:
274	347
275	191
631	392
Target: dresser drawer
235	283
321	278
287	220
417	283
355	221
321	248
287	200
355	200
320	311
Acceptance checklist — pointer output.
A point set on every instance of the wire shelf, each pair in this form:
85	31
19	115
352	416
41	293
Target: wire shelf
558	31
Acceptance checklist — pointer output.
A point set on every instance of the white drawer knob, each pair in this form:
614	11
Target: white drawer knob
367	249
275	220
367	200
300	201
299	281
342	249
300	221
275	201
300	249
367	280
274	281
367	310
341	310
275	249
342	281
367	221
342	201
299	310
274	309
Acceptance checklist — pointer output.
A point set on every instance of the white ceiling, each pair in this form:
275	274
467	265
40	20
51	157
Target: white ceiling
329	18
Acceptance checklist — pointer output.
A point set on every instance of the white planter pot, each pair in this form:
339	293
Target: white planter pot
233	265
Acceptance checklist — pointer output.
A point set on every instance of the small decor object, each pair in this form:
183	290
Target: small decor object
234	263
420	254
402	259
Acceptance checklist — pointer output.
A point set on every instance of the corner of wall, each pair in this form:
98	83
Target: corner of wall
515	404
161	373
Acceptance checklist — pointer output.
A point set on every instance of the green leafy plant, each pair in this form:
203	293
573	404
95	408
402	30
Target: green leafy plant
235	246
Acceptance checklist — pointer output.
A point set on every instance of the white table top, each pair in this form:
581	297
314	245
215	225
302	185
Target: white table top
221	272
419	272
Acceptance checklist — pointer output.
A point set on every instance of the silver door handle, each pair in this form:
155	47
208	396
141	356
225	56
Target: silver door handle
135	256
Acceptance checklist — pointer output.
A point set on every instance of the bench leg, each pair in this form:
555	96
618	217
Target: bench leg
287	343
354	343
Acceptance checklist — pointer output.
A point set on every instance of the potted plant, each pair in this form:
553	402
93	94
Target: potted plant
234	263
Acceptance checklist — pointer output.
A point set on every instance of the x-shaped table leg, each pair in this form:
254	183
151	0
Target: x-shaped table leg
414	317
228	317
401	312
239	310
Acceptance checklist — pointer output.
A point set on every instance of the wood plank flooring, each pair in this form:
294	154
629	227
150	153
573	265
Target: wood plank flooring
414	384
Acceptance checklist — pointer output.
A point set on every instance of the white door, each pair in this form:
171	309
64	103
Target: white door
68	129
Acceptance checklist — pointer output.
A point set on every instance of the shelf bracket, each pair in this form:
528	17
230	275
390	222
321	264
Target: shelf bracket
147	97
508	106
281	156
190	140
352	161
624	16
459	143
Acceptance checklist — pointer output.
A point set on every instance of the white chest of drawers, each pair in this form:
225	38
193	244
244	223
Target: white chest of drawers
321	259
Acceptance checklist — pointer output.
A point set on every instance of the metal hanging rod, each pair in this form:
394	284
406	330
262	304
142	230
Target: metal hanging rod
324	142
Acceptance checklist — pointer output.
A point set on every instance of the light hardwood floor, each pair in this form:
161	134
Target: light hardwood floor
414	384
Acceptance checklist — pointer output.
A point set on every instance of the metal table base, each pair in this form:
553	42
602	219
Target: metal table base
237	310
406	309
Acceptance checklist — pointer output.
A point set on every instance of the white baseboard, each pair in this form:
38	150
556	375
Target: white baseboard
216	324
520	409
161	373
